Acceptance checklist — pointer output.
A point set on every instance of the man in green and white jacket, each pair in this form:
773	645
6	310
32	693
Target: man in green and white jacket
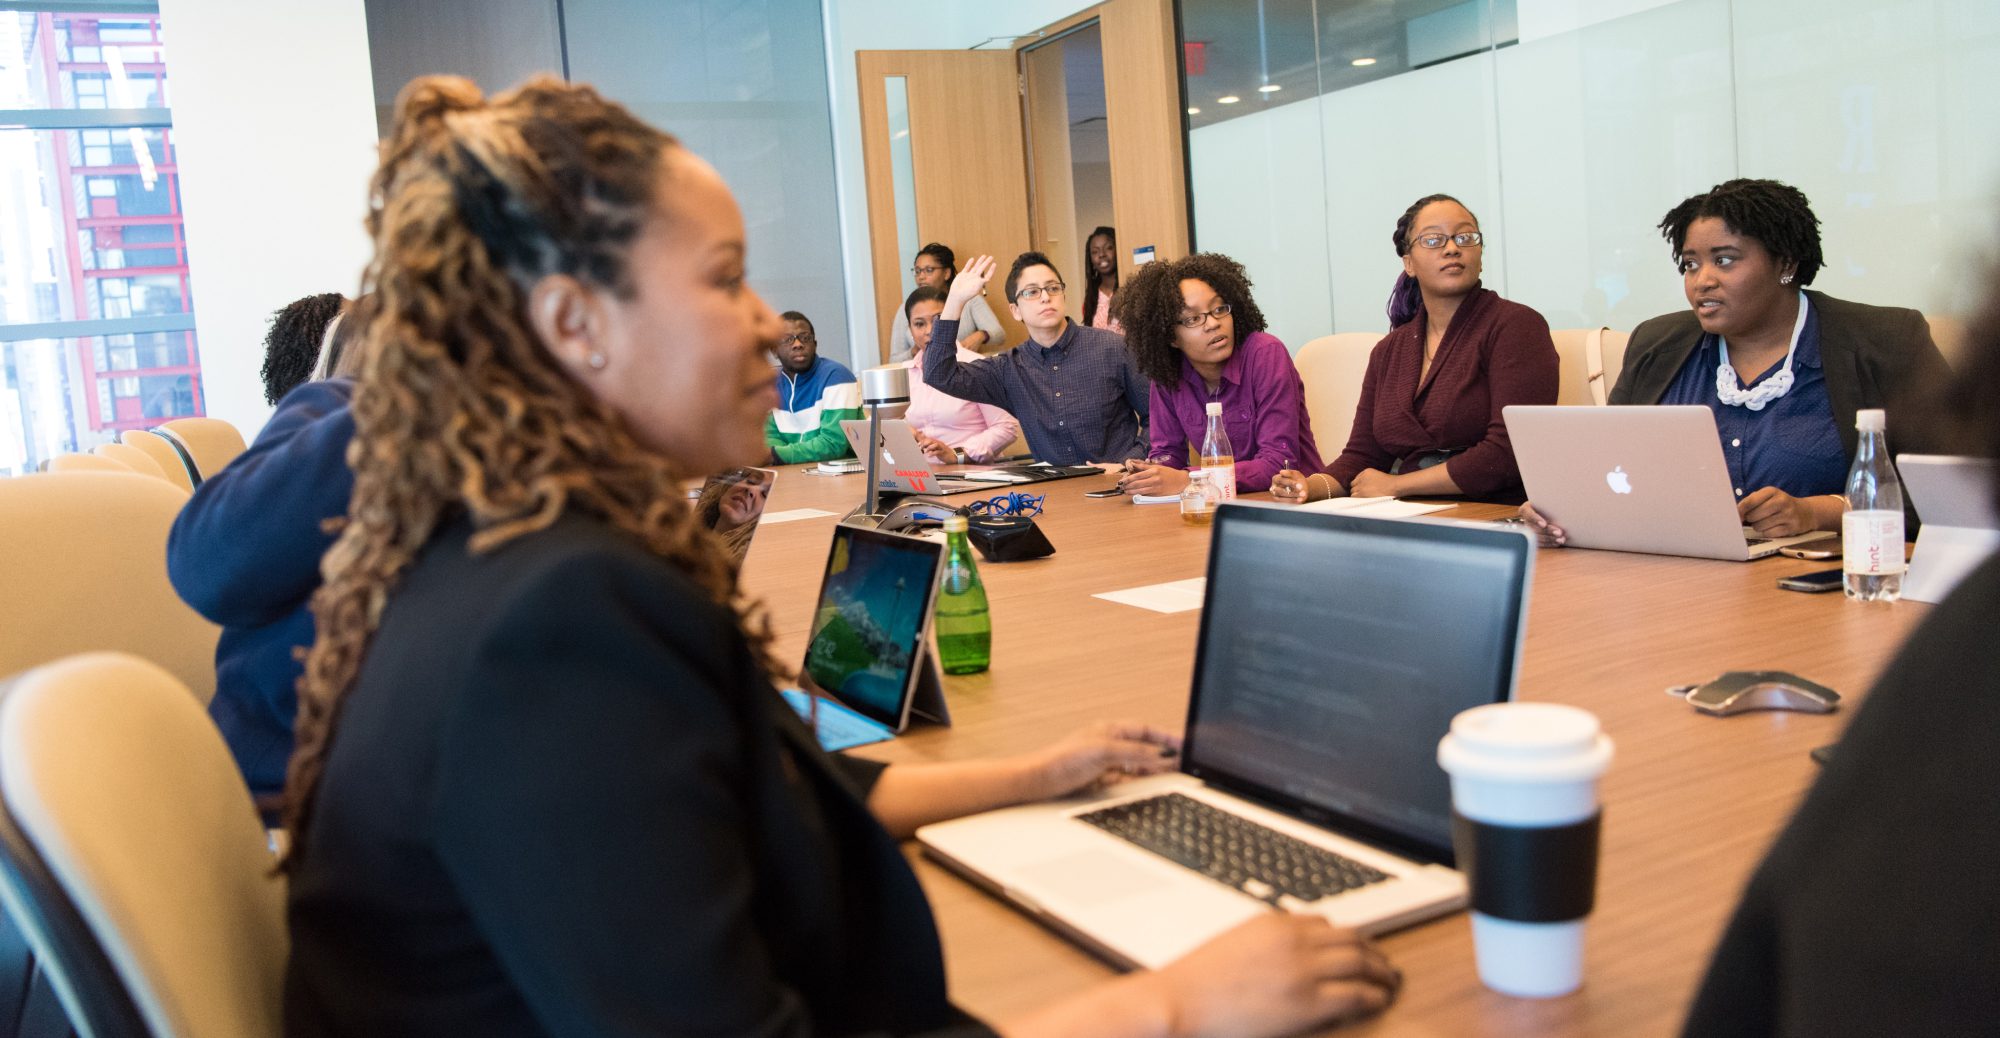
815	394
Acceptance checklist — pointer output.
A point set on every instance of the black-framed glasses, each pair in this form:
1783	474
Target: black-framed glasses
1014	503
1195	319
1466	240
787	340
924	272
1034	293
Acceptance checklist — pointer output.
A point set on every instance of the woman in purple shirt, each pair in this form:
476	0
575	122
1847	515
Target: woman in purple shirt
1428	423
1196	333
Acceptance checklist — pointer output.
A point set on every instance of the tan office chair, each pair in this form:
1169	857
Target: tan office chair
132	458
87	463
156	447
1332	367
1949	335
1589	369
85	558
211	442
132	857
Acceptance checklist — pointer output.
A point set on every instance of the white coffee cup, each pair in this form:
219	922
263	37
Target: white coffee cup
1524	779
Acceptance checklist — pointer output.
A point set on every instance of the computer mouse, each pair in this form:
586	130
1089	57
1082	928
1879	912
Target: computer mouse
1741	691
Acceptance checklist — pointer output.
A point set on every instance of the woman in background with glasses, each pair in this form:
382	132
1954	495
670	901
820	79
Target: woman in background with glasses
1197	334
979	328
1428	422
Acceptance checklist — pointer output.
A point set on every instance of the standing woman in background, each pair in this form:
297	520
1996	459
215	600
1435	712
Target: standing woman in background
1428	423
1100	282
979	328
1194	330
543	783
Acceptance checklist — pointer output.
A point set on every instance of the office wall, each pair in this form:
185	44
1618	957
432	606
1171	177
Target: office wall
744	85
854	25
1572	143
274	131
495	43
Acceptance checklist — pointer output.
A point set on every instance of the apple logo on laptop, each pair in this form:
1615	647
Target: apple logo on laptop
1619	481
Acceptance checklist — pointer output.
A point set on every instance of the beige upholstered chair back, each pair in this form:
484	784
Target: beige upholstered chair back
163	454
85	558
132	458
1332	367
118	786
1588	373
1949	335
87	463
211	442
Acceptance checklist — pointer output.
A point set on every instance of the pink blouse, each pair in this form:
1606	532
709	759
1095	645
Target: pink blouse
982	431
1102	318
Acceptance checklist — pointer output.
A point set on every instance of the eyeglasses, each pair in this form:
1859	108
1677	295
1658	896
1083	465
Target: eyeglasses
924	272
1034	293
1468	240
1194	320
1014	503
787	340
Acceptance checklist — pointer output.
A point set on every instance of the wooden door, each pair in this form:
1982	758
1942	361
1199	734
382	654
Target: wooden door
970	175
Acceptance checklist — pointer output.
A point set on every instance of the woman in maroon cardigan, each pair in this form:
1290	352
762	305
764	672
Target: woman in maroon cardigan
1428	423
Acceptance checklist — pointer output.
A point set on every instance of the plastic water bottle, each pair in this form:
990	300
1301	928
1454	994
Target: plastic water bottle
1198	499
1218	458
1871	532
964	628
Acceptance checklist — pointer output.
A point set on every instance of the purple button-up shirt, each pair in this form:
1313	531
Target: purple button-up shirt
1263	411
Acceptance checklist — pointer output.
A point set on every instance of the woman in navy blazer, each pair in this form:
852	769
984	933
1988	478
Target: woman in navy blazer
543	784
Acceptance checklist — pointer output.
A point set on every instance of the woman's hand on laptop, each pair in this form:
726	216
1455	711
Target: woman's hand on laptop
1274	975
937	450
1551	535
1774	513
1103	753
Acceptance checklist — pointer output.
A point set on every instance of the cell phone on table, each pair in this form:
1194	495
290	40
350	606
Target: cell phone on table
1816	581
1807	551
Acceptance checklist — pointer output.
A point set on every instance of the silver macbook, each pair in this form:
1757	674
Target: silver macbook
1645	479
1309	778
1954	498
905	467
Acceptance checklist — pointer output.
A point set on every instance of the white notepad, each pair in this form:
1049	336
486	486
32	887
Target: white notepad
1176	596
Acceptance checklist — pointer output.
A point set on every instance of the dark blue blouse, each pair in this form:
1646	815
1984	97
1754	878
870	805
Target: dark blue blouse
1792	444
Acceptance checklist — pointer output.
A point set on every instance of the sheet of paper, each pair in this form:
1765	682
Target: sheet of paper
1374	507
1156	499
791	514
1177	596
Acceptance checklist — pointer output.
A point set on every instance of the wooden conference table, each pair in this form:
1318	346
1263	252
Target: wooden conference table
1691	801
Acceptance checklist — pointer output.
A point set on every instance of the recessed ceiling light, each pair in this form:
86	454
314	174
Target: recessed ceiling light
1362	62
1194	111
1228	99
1269	88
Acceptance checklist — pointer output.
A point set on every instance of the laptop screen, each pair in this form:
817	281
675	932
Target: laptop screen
874	609
1334	653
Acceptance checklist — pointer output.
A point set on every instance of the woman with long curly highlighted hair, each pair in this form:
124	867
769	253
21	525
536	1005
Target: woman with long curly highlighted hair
543	783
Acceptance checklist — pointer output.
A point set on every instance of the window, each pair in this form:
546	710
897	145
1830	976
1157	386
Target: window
96	315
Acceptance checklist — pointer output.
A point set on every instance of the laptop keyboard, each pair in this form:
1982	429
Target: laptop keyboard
1231	849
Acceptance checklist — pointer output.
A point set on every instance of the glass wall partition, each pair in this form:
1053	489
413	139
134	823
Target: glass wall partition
1571	128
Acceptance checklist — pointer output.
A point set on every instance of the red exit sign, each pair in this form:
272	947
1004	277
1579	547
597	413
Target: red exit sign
1195	56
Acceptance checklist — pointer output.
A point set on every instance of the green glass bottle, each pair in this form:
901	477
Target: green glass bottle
964	630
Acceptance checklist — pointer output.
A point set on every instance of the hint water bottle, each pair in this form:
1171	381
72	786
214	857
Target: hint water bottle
1218	458
964	629
1871	532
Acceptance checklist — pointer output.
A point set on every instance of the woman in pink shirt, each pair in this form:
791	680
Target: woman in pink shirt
950	430
1100	282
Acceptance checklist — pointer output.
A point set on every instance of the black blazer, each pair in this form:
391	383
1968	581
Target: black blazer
1873	356
561	801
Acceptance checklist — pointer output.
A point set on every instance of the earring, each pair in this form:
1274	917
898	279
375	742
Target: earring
1786	280
597	361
